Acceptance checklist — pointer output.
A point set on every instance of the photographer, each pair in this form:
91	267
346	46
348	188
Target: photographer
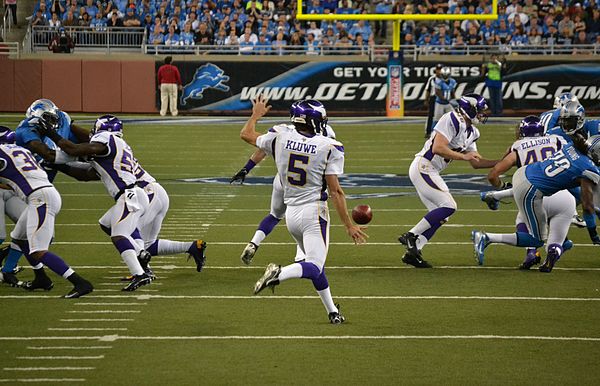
492	71
61	43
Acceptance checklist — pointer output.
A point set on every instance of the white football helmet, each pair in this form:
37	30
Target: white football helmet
593	145
563	98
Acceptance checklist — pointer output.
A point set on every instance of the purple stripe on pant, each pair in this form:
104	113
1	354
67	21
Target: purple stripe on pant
41	212
429	181
323	224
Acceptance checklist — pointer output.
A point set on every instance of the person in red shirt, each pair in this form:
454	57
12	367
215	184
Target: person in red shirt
169	80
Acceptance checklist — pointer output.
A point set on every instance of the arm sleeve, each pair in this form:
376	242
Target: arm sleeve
266	142
335	163
103	138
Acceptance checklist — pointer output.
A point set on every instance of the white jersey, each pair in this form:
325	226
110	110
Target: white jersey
302	163
143	177
535	149
20	170
329	133
460	136
116	167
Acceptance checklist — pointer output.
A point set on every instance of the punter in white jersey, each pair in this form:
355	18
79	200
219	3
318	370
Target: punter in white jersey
34	229
308	164
453	138
532	146
277	212
112	159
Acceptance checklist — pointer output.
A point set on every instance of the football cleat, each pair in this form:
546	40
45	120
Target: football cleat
551	258
248	253
148	272
198	252
144	258
480	242
578	221
137	282
336	317
567	244
269	279
489	199
533	258
83	288
10	279
409	240
39	283
415	260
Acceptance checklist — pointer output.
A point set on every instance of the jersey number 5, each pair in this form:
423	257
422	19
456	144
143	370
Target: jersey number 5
560	164
299	170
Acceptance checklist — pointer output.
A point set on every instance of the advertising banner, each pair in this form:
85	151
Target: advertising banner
361	88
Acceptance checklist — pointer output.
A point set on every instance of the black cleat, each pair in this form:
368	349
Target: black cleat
533	258
198	252
551	258
415	260
39	283
137	282
409	240
80	289
11	279
336	317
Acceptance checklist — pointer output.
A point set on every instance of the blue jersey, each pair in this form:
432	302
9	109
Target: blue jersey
549	119
562	171
590	127
447	88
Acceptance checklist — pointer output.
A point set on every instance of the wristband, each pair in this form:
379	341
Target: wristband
250	165
590	220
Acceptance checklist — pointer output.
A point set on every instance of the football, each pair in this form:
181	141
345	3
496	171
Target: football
362	214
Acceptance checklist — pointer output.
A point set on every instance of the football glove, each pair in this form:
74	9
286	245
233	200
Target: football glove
239	176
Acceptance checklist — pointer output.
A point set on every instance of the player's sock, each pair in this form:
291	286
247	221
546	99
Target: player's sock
527	240
168	247
129	255
12	259
265	227
432	221
322	286
501	194
56	264
503	238
292	271
35	264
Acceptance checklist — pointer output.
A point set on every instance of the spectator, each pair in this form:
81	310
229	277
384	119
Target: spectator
156	38
91	9
382	7
171	38
296	42
133	20
169	80
343	44
409	40
39	19
566	25
70	20
279	43
12	6
84	21
187	36
99	23
535	37
263	46
58	8
247	42
220	37
114	20
581	38
593	25
61	43
55	21
311	45
204	36
492	71
232	39
360	28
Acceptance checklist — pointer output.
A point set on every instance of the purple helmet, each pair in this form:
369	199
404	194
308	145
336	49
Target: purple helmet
311	113
6	135
531	126
108	123
473	106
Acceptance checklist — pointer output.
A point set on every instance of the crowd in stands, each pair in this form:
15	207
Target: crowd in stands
261	27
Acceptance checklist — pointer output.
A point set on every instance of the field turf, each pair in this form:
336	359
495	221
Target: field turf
454	324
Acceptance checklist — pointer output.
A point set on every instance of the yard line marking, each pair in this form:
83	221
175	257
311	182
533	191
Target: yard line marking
112	338
112	304
477	267
39	380
96	320
105	312
63	357
68	368
121	284
85	329
68	347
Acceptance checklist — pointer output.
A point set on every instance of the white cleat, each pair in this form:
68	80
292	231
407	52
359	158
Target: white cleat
249	253
269	279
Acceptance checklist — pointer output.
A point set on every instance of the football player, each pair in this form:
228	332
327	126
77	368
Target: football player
277	212
305	162
550	118
532	146
453	138
445	86
574	165
34	229
112	159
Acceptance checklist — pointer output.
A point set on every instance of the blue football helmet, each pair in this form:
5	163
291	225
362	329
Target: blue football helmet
6	135
108	123
45	111
593	145
311	113
563	98
473	106
572	117
531	126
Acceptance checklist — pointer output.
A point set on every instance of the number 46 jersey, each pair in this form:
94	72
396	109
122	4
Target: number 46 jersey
562	171
535	149
116	166
302	163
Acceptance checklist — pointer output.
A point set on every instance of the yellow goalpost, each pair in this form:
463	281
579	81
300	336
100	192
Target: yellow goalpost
395	101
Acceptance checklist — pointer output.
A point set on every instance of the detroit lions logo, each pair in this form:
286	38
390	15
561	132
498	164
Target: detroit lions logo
206	77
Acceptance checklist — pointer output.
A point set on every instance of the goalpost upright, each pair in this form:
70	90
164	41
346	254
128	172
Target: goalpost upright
395	101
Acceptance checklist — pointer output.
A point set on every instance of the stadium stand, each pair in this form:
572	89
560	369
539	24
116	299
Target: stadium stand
269	27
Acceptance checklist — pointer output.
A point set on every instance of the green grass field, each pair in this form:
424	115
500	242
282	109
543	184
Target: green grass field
454	324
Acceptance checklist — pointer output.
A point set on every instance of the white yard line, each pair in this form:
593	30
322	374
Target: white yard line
68	347
96	320
42	380
45	357
112	304
68	368
85	329
105	312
